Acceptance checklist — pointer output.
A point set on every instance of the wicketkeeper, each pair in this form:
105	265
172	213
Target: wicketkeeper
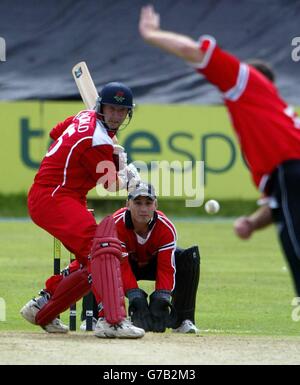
149	250
81	156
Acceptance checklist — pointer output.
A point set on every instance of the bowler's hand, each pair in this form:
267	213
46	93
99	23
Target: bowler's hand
149	21
243	227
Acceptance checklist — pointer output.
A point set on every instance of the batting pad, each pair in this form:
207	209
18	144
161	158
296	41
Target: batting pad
70	290
106	271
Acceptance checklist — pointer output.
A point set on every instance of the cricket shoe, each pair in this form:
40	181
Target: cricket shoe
125	329
83	325
187	326
56	326
30	310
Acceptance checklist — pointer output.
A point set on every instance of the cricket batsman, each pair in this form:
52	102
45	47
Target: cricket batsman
81	156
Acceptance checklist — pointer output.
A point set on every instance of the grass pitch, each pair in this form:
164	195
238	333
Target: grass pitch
245	287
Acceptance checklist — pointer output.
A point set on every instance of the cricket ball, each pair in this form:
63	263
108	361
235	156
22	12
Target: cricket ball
212	206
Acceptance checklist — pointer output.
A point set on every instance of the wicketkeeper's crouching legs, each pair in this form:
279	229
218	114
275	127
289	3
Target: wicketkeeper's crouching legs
163	312
187	280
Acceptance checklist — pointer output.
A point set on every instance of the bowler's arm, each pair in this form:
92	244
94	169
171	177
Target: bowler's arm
176	44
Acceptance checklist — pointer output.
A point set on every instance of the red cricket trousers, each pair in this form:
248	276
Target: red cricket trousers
65	216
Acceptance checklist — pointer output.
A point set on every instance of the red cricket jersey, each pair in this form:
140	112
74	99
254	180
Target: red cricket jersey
70	165
268	130
160	244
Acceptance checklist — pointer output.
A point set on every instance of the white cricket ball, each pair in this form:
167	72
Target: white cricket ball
212	206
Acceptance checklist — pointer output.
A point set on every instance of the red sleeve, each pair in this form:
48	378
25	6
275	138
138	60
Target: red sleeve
98	162
165	277
57	131
129	280
219	67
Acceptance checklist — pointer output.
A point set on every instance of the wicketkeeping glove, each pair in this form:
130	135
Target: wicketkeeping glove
138	309
162	312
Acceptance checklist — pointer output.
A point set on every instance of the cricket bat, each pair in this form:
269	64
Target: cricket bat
85	85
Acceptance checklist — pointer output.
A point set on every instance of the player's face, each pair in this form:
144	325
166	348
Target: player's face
114	116
142	209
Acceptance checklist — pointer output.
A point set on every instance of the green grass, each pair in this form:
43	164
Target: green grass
244	289
15	205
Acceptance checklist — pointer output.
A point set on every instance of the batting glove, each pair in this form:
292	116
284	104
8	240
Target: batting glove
129	175
121	155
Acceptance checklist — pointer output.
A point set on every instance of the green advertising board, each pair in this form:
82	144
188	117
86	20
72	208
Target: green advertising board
178	136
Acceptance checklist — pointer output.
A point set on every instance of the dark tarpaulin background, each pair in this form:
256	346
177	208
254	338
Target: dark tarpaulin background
44	39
